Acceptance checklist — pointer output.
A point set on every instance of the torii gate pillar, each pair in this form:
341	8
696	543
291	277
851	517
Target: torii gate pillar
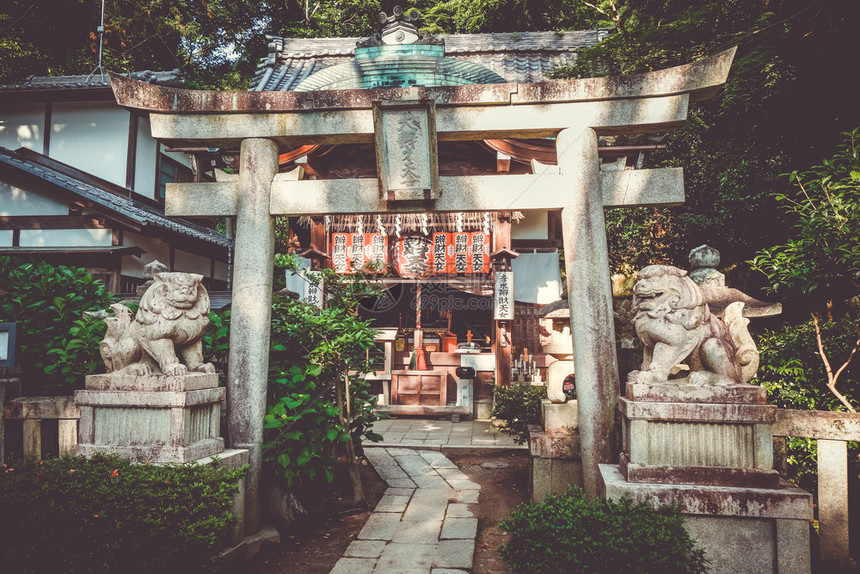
248	369
589	296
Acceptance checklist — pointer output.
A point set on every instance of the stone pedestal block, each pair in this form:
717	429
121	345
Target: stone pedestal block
154	418
742	530
687	434
559	418
555	450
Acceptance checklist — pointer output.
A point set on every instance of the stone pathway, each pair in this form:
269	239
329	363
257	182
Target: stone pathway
443	435
422	524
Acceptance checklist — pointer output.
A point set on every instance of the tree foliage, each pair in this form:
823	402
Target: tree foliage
203	38
821	260
57	336
788	95
318	398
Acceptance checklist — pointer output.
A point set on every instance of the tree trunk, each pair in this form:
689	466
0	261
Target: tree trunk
351	460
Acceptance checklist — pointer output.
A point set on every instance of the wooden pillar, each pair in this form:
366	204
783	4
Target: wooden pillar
589	295
502	335
251	313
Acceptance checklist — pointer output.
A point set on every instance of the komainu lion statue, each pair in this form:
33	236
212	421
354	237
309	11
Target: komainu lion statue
675	326
170	323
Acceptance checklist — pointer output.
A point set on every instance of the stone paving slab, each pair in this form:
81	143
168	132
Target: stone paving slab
422	524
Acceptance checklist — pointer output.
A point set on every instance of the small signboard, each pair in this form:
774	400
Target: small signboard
7	344
406	150
504	296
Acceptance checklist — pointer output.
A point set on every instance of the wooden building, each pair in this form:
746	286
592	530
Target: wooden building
82	182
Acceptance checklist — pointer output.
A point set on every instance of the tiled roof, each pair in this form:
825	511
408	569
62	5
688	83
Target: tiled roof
125	207
517	57
168	78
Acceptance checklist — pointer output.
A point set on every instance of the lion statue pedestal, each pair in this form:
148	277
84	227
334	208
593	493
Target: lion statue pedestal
158	402
704	441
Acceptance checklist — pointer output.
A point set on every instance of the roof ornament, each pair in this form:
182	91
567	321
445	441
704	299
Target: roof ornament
398	29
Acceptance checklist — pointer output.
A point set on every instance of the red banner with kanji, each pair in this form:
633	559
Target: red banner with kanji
461	252
413	256
351	252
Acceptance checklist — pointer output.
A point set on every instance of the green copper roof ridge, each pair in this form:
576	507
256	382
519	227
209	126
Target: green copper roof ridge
404	70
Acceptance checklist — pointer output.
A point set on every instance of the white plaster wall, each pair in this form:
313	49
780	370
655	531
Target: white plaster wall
221	270
190	263
17	201
144	166
65	237
155	249
22	125
91	136
6	237
178	157
534	226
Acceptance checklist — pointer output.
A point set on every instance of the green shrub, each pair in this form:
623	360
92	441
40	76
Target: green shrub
311	350
519	406
569	534
57	343
105	514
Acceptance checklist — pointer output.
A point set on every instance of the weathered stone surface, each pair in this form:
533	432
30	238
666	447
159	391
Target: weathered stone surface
248	368
700	79
406	558
171	320
590	301
354	566
675	326
788	501
553	476
826	425
559	418
418	532
681	412
704	475
462	528
151	426
155	453
832	497
792	546
365	548
694	443
454	553
149	399
671	392
41	408
380	527
546	445
129	382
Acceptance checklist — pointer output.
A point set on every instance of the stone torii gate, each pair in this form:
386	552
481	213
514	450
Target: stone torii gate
574	112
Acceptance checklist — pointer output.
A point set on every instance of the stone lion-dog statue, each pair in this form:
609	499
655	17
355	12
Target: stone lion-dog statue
676	326
169	324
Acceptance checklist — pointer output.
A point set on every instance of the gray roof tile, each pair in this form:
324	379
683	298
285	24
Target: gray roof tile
124	206
518	57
